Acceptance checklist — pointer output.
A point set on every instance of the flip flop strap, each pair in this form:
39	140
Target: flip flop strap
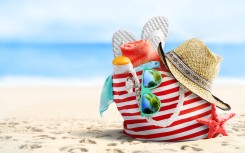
157	33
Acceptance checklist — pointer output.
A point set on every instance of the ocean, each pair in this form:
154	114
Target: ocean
88	63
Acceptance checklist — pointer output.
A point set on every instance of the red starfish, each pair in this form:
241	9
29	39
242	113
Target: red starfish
216	123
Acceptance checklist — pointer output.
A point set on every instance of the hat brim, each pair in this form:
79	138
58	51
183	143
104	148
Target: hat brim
195	88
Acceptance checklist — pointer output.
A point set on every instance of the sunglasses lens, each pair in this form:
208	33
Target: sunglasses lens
151	78
150	104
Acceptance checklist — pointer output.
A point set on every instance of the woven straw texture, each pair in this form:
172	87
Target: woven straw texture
201	60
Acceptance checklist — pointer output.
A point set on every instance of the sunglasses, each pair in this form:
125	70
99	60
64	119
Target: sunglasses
149	103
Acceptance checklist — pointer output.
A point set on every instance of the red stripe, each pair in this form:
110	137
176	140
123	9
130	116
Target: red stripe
192	100
177	139
152	127
121	76
181	121
160	93
131	114
172	90
193	135
121	84
125	99
120	92
139	73
165	92
190	110
193	109
165	83
191	118
164	108
172	106
125	75
128	107
135	121
164	134
188	93
170	99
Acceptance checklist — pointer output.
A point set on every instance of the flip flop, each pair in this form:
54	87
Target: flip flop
156	31
120	37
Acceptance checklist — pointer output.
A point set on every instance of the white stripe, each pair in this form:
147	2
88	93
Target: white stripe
174	136
136	117
166	73
131	102
132	110
167	87
167	96
180	117
119	80
164	112
120	97
167	129
119	88
164	79
191	96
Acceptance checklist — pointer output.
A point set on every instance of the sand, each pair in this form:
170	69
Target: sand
66	119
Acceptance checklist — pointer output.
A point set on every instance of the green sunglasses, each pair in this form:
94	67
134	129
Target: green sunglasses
149	103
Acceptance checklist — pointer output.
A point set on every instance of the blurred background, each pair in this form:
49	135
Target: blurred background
69	42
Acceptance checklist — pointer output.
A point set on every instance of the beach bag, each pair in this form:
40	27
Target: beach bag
176	119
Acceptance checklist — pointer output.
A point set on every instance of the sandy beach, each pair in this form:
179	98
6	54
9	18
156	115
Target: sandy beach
66	119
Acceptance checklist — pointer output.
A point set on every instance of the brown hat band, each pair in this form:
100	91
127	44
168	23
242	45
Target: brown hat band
187	72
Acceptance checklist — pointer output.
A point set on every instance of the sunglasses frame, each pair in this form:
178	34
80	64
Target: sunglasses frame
145	90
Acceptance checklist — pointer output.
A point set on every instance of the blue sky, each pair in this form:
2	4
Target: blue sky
32	24
80	21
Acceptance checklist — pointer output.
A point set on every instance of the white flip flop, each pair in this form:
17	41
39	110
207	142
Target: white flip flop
120	37
156	30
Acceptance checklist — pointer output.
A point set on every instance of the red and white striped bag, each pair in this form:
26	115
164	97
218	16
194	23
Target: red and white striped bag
182	125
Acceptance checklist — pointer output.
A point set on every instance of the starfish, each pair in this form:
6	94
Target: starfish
216	123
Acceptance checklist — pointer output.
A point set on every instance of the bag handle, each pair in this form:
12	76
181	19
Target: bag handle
157	33
167	122
174	116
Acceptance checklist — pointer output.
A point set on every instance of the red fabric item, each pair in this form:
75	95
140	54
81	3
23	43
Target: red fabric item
140	52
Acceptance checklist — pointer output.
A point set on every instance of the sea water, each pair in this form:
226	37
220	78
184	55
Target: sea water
90	62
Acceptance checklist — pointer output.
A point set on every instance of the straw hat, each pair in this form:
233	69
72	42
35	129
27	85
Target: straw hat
195	67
